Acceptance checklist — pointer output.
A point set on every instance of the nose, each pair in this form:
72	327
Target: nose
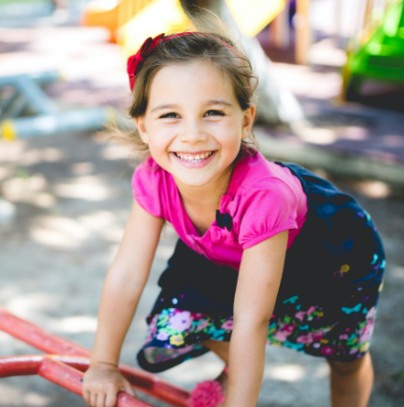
193	131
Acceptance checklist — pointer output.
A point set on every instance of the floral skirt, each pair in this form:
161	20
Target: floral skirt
326	305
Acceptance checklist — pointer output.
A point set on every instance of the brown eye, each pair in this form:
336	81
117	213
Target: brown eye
170	115
214	113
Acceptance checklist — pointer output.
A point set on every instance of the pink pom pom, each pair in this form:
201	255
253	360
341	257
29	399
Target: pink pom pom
206	394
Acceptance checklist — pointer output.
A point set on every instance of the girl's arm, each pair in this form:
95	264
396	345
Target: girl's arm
257	288
123	287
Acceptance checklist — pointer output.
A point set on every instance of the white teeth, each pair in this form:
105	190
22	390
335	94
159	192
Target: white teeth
194	158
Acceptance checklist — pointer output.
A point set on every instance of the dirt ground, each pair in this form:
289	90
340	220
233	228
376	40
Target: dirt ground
63	203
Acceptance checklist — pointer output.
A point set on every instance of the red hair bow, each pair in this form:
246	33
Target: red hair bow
135	61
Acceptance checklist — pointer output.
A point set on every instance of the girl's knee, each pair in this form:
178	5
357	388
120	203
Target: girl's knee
346	368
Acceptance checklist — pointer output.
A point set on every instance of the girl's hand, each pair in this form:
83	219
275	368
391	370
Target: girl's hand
101	385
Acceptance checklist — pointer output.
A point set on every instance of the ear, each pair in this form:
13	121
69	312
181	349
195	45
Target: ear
248	120
139	121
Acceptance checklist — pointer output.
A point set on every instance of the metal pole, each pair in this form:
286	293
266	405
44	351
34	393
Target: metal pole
59	370
39	339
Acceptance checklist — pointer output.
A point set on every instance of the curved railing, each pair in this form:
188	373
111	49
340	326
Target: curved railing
64	364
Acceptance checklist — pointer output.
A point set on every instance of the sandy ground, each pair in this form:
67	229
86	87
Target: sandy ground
70	196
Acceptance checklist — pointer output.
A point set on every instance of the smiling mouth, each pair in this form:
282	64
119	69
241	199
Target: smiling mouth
194	158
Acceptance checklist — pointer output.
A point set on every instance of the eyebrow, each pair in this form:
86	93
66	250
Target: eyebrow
161	107
209	102
219	102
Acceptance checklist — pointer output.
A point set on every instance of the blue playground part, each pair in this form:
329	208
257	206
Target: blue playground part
26	111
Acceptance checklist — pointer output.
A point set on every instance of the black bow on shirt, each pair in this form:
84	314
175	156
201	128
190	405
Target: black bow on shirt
224	220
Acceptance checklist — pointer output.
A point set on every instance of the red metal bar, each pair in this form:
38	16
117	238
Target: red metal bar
58	370
19	365
38	338
23	365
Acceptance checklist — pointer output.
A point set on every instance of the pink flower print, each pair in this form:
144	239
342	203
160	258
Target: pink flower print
311	337
367	331
152	329
203	324
371	313
228	324
180	321
282	334
311	310
162	336
305	339
327	351
153	322
301	314
317	336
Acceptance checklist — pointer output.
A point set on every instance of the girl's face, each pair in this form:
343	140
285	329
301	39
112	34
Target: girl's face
193	123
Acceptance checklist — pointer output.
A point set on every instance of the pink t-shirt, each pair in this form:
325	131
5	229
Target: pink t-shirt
263	199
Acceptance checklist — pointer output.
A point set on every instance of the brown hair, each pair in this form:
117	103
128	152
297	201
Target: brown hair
221	51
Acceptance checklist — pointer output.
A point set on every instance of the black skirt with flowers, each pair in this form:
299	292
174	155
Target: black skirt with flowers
326	305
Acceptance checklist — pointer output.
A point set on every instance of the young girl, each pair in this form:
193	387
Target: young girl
268	252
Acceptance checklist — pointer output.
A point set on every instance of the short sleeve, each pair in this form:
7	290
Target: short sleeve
266	212
146	182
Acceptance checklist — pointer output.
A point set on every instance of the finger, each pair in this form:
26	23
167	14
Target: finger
87	396
100	400
93	399
111	398
128	388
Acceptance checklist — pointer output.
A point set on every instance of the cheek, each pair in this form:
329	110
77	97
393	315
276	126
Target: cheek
158	145
233	137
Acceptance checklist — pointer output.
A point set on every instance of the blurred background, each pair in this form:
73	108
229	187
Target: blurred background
330	98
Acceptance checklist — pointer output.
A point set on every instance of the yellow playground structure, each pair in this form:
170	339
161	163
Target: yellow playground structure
130	21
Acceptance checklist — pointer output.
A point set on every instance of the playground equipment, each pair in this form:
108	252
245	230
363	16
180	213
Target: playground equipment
64	364
379	51
26	110
129	22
